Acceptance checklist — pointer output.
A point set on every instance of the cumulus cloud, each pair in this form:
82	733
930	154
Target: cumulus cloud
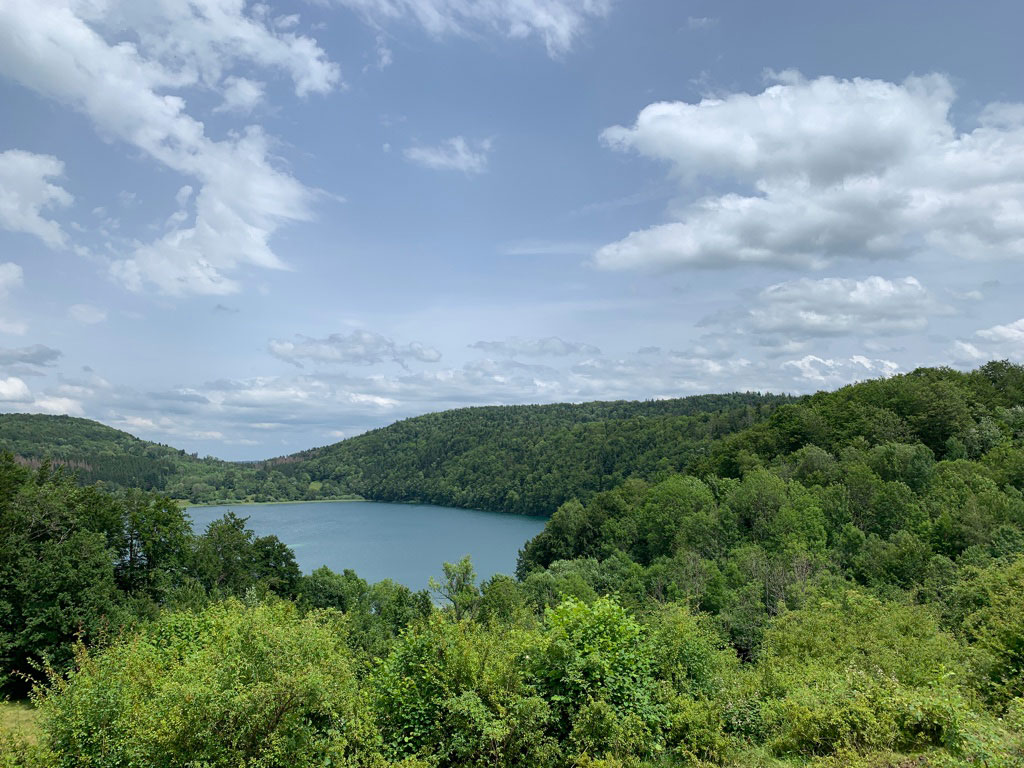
557	22
838	371
14	390
87	314
829	168
455	154
358	347
998	341
833	306
966	353
549	346
786	317
115	62
26	192
57	406
1012	333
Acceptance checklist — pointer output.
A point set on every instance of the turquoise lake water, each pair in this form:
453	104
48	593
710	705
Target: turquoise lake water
404	542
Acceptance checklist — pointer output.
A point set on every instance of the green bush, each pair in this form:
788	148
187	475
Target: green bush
596	652
454	692
258	685
995	626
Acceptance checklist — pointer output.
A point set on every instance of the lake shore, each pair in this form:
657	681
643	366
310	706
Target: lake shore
187	503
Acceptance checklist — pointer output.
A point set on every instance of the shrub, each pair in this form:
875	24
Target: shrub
592	653
453	692
255	685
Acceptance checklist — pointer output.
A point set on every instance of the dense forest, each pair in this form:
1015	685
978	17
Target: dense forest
96	453
526	459
837	582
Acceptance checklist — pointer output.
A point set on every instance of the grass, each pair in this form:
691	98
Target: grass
19	717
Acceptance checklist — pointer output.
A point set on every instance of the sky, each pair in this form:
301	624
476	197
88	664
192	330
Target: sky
249	228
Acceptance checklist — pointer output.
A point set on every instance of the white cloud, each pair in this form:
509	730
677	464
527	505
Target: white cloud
455	154
785	318
832	306
201	40
78	54
998	341
25	193
829	168
840	371
557	22
550	346
241	95
87	314
965	353
360	347
14	390
1012	333
57	405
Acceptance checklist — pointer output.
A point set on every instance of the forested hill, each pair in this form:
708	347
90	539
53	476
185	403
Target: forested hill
95	451
528	459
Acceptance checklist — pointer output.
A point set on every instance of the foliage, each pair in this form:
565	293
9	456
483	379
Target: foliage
82	564
835	581
258	685
526	459
456	693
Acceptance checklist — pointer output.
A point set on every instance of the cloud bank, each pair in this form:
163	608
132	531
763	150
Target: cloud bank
823	169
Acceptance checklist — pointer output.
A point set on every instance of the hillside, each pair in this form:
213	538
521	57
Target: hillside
96	453
530	459
526	459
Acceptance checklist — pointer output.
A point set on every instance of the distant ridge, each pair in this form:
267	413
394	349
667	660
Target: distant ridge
516	458
529	459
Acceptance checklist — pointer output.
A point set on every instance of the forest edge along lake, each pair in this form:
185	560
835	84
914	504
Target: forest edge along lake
404	542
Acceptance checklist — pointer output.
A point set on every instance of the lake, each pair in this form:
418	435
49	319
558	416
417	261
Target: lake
404	542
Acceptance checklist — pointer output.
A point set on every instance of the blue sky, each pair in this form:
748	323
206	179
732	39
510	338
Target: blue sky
249	228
